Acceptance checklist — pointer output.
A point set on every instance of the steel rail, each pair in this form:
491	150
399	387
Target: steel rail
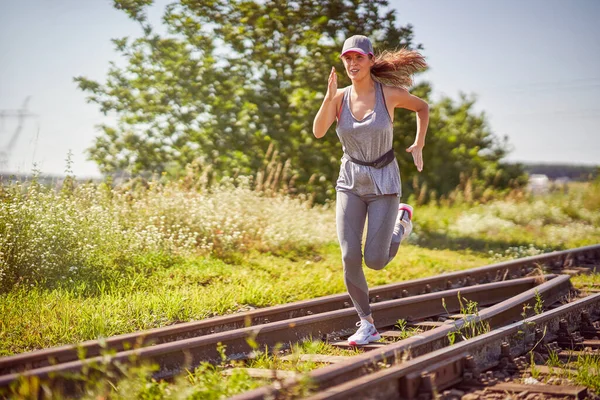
485	274
498	315
174	356
402	381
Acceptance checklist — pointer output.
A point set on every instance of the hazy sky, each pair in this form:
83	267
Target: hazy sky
533	64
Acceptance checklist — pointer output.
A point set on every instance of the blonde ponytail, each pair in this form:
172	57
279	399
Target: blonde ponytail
395	68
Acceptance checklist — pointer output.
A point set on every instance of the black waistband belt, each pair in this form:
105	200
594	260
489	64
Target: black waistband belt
379	163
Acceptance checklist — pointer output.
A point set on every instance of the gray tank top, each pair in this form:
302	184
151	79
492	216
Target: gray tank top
367	140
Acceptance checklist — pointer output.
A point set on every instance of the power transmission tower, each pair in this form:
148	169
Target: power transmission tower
5	151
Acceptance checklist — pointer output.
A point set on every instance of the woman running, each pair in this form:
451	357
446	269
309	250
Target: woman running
369	179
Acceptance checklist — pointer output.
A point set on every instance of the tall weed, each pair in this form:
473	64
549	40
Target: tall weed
95	232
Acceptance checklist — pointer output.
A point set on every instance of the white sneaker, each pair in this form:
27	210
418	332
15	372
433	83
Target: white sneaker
366	333
405	213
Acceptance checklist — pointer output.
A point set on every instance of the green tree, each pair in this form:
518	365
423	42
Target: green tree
232	79
460	146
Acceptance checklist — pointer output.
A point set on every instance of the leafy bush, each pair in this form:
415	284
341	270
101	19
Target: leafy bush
95	232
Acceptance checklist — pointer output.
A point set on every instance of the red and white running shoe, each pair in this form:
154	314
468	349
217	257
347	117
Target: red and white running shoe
366	333
405	213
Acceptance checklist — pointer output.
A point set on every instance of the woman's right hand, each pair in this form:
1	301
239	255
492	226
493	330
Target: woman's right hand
327	112
331	85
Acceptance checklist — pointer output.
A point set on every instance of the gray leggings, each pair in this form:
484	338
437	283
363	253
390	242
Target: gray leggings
381	245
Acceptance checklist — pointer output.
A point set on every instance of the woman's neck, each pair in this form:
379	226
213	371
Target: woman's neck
366	85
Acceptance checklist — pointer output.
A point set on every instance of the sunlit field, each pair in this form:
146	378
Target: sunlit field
517	224
83	261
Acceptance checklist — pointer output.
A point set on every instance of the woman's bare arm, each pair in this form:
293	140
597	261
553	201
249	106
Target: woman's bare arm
328	111
401	98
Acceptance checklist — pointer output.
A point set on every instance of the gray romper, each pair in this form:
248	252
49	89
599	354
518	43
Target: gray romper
363	190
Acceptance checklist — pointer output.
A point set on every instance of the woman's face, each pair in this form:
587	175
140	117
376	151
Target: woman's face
357	65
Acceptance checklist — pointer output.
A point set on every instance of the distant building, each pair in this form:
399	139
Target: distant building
538	184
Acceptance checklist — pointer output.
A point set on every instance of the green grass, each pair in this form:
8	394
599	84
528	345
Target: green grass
516	226
586	367
273	358
96	234
588	372
92	261
33	318
470	327
207	381
586	280
405	332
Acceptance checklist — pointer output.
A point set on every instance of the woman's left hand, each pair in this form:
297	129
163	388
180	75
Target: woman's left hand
417	153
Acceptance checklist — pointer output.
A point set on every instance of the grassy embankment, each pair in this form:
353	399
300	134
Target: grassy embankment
90	261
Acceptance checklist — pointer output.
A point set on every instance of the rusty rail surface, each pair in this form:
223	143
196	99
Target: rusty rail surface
173	357
479	354
495	272
498	315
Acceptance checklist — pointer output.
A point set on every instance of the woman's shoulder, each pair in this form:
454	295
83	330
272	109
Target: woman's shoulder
393	90
393	94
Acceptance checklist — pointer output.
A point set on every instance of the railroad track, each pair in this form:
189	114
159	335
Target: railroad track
473	365
502	288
